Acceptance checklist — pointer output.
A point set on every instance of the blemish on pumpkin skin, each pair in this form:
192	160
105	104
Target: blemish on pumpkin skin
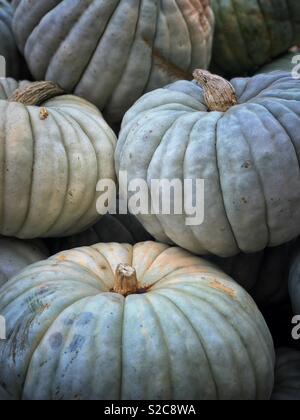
44	114
84	319
76	344
247	164
55	341
215	284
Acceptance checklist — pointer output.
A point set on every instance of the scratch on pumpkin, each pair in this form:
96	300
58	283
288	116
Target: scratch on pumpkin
215	284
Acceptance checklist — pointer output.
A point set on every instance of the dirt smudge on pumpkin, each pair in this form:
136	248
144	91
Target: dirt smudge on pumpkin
215	284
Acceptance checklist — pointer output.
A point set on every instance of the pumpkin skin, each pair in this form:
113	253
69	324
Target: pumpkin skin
283	63
15	255
249	34
247	156
52	165
264	274
166	343
111	228
116	50
287	375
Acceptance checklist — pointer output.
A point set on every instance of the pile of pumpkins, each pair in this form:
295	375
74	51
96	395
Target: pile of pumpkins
112	307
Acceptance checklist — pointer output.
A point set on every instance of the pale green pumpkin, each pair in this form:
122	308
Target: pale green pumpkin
246	149
287	375
111	52
162	325
52	157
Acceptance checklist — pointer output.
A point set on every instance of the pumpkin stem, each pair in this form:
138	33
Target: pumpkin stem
219	94
36	93
125	280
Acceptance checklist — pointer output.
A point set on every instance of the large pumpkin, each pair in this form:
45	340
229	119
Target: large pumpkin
120	322
111	52
111	228
245	145
264	274
52	157
250	34
15	255
287	375
15	64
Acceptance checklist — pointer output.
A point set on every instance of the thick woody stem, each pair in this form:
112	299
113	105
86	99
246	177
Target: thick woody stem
36	93
219	94
125	280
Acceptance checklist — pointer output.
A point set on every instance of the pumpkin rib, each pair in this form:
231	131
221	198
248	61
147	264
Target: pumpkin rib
88	64
260	180
75	127
40	342
69	172
126	65
61	41
222	193
169	127
90	272
191	228
82	266
220	315
163	146
212	293
200	339
164	340
146	88
278	119
188	31
29	202
77	124
68	177
210	296
2	214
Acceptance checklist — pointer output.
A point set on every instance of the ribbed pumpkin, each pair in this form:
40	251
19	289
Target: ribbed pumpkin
52	157
111	228
242	139
8	47
111	52
287	375
294	282
15	255
250	34
120	322
283	63
264	274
